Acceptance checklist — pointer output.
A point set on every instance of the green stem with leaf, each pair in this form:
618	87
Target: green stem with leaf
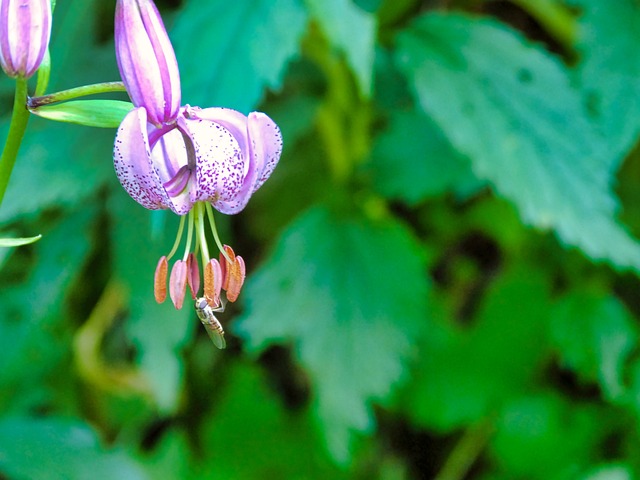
78	92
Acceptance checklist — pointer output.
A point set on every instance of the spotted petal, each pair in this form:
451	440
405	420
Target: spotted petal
133	163
266	141
259	141
146	175
222	160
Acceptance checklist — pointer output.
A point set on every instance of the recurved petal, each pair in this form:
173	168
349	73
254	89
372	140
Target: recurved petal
221	163
133	163
170	162
266	143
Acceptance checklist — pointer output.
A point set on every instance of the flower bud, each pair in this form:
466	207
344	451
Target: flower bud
25	28
146	60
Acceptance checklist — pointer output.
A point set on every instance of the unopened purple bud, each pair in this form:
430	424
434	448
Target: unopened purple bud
25	28
146	60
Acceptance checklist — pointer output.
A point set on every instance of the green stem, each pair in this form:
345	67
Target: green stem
84	91
467	451
556	18
19	119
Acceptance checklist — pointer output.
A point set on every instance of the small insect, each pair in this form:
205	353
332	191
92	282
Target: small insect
210	322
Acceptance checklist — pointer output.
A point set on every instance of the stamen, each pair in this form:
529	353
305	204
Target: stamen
177	283
160	280
212	282
214	230
179	236
193	275
187	247
237	273
198	207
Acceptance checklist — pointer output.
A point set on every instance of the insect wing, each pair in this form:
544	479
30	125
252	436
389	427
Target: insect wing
211	324
214	330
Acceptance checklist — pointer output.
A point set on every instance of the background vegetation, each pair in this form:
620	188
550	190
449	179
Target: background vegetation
443	271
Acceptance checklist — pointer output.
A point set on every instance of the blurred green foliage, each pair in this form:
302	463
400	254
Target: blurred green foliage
443	272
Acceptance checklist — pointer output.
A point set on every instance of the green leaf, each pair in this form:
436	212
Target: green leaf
564	437
272	439
91	113
54	448
595	337
351	295
412	160
509	106
463	375
611	76
18	242
351	30
238	49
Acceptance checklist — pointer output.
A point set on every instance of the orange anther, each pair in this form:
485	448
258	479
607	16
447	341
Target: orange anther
160	280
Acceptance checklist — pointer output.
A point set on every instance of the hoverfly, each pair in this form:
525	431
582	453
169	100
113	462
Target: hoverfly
211	324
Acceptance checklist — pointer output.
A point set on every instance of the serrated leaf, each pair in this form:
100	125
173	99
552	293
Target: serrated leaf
611	75
351	295
238	49
412	160
351	30
595	337
509	106
54	448
91	113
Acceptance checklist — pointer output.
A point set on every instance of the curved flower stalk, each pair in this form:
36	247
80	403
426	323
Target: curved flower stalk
25	29
185	159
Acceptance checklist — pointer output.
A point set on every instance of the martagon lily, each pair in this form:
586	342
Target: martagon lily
185	159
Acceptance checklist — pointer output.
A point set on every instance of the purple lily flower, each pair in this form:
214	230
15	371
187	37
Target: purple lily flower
25	28
146	60
214	155
185	159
